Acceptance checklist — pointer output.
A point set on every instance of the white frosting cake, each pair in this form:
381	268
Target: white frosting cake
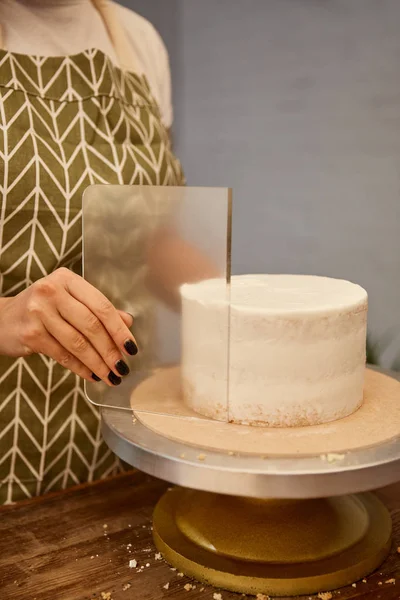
274	350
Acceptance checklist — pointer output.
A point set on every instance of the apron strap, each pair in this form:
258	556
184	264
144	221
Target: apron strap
116	33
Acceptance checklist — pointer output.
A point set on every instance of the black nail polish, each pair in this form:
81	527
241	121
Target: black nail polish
122	367
95	377
115	380
131	347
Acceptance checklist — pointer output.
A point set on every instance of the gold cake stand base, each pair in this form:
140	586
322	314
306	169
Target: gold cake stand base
272	547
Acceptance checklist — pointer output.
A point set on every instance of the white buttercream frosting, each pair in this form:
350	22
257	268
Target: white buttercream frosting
276	350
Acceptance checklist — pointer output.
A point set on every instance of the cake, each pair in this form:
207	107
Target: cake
274	350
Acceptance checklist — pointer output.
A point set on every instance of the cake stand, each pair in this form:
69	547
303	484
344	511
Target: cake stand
274	525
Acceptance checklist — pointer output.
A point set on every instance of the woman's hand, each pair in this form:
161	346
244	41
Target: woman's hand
66	318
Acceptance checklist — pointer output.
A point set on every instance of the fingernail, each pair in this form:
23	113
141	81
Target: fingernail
115	380
131	347
94	376
122	367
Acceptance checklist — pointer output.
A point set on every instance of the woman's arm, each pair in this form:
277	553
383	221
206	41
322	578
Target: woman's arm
172	262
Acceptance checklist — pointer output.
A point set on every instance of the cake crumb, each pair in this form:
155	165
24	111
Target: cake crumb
231	453
354	585
188	587
364	581
217	597
173	569
202	589
325	596
332	457
105	526
158	556
134	420
132	564
262	597
201	457
166	586
106	595
180	574
126	587
147	565
398	550
182	456
391	581
380	583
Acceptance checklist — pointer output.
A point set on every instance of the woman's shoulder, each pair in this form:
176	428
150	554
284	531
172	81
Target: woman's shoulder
151	55
137	25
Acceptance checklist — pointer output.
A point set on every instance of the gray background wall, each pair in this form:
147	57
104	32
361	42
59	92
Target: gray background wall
295	104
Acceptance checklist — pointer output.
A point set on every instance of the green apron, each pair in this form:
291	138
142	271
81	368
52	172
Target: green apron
65	123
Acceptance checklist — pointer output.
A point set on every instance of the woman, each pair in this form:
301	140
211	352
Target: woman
84	98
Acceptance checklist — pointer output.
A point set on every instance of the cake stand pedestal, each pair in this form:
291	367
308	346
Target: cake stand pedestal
272	546
280	526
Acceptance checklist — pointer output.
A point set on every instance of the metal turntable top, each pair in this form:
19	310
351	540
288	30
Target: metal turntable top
258	477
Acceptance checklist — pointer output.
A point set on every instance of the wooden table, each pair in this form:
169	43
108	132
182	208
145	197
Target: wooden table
76	545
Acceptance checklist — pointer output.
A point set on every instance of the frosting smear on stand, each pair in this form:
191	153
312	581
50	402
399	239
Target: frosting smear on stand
274	350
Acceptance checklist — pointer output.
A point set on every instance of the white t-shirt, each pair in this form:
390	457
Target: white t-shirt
62	27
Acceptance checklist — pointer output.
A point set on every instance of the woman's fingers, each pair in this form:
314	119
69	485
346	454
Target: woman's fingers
126	317
85	322
52	348
88	334
77	345
102	308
